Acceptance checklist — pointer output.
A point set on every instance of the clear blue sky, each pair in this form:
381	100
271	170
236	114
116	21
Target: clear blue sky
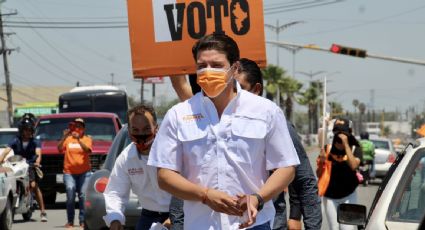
385	27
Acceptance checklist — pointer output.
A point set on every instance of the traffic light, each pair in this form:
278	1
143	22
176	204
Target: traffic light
335	48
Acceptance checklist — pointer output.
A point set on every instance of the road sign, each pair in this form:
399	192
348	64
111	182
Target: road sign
154	80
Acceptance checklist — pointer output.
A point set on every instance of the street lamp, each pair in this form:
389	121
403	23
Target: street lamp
278	28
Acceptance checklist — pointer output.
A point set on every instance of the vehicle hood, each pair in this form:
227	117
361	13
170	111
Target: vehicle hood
98	147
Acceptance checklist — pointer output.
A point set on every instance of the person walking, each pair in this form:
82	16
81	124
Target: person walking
76	146
215	150
131	172
336	170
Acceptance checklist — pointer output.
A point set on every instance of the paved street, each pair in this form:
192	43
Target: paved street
57	215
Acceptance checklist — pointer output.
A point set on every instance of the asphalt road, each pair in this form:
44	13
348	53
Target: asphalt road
57	214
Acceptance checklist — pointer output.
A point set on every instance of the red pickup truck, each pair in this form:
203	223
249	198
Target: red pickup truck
102	127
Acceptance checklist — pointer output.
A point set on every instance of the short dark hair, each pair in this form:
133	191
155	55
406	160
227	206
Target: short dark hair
219	42
142	109
252	71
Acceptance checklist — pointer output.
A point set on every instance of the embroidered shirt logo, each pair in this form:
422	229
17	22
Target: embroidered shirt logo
135	171
194	117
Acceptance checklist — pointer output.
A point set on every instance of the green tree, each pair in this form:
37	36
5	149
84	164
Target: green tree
289	87
273	75
311	99
336	108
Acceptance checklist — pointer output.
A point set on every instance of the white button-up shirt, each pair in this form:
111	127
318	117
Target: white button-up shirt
232	154
132	172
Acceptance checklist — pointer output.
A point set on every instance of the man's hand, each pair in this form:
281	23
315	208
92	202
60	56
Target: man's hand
222	202
116	225
251	211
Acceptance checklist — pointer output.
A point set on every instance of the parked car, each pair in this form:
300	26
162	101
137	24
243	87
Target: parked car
95	202
7	197
400	200
102	127
384	156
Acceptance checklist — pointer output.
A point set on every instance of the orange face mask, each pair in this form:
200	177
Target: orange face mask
212	81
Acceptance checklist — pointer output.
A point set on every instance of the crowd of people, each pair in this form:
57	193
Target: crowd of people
223	158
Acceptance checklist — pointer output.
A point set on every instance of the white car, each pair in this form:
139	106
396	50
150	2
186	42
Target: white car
400	200
384	156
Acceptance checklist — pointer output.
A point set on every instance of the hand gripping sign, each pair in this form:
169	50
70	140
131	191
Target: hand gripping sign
162	32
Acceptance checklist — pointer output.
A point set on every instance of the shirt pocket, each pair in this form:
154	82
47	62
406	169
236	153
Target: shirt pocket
247	134
195	143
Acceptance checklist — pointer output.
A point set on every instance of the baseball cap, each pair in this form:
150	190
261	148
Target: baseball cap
80	120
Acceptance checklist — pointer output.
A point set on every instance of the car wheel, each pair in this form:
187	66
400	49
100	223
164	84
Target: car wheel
27	216
6	217
50	198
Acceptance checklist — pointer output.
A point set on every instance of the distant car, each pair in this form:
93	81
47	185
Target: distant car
384	156
102	127
95	202
400	200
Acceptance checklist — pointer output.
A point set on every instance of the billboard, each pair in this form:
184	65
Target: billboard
162	32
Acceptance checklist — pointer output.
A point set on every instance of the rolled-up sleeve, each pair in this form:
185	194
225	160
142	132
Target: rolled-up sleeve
117	192
280	151
166	151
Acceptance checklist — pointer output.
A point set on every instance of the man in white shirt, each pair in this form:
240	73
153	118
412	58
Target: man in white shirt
215	149
132	172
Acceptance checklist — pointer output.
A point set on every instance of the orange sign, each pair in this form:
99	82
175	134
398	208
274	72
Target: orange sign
162	32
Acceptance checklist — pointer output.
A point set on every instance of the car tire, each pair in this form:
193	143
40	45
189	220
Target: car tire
27	216
6	218
50	198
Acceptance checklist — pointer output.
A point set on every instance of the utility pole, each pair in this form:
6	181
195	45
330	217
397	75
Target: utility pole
153	94
277	29
5	52
142	90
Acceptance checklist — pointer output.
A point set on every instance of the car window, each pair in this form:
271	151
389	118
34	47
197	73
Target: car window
408	203
120	142
97	128
381	144
6	137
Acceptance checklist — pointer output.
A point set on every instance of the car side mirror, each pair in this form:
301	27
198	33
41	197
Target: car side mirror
352	214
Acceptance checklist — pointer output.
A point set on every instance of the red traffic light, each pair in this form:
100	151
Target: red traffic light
335	48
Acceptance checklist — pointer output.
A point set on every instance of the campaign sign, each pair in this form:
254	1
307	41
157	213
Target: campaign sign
162	32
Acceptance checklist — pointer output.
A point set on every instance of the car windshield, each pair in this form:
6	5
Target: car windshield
98	128
6	137
408	202
381	144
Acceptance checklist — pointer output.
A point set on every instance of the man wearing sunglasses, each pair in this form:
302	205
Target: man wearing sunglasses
132	172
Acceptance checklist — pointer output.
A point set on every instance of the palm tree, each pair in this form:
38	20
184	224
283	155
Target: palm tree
288	87
272	74
311	98
362	110
336	108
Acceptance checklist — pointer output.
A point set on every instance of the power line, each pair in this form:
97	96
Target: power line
287	9
49	61
64	56
67	27
63	22
364	23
